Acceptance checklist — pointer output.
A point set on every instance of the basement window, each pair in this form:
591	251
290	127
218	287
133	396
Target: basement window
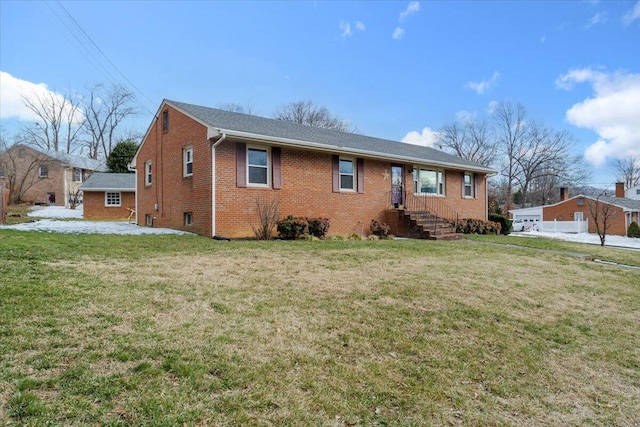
188	219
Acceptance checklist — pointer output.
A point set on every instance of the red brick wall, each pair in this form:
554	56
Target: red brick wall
94	207
306	186
565	211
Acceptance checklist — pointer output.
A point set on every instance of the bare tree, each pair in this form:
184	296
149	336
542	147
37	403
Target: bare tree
628	169
472	141
603	215
59	121
544	154
105	109
510	130
238	108
306	113
20	170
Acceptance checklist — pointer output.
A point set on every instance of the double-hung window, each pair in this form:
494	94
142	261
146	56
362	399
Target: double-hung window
468	185
347	174
43	172
77	175
147	173
187	161
258	166
428	181
112	199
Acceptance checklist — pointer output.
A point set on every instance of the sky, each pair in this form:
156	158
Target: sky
397	70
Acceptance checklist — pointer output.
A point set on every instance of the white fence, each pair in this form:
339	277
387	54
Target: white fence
564	226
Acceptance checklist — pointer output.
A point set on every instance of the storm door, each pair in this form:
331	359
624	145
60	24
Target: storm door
397	186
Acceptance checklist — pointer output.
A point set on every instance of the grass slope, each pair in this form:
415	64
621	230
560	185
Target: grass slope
182	330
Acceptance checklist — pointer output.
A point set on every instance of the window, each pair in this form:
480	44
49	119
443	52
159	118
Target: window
347	169
112	199
43	172
188	218
467	183
581	201
638	192
427	181
165	120
147	173
187	161
22	152
1	171
258	166
148	220
77	175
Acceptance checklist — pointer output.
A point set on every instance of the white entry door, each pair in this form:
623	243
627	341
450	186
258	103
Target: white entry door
577	216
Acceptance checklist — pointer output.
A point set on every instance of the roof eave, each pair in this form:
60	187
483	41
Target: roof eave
346	150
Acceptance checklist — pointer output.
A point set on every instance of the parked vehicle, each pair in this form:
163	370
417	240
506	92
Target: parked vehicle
517	225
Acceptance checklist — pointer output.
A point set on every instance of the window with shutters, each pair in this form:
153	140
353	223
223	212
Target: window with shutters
347	174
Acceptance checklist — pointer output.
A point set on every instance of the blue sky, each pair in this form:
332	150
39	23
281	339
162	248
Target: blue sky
396	70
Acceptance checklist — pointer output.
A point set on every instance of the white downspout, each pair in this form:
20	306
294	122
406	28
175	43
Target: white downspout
213	183
132	168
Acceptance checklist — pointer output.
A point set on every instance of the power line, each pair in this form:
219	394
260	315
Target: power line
84	41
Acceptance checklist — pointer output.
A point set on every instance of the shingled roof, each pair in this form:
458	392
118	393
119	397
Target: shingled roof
289	133
100	181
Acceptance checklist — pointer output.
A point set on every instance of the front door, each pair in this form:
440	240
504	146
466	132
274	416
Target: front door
397	187
51	199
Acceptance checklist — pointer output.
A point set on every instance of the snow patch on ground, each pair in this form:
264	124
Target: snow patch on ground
50	223
591	239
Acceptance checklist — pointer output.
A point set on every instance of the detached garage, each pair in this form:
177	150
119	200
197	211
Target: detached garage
110	196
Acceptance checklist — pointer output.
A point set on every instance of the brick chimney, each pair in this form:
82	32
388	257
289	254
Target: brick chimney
564	193
619	189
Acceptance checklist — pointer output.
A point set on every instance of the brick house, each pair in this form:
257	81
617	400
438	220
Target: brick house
622	211
51	178
109	196
205	170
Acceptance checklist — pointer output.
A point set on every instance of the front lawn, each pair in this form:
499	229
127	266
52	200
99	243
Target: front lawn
183	330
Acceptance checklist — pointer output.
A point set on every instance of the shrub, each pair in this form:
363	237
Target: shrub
477	226
380	229
292	227
505	223
318	227
267	211
634	230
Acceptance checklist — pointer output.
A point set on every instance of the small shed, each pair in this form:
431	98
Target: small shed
110	196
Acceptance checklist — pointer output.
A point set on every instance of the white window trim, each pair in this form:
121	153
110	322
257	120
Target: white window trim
472	185
112	205
40	175
148	173
439	183
355	174
73	174
186	150
260	148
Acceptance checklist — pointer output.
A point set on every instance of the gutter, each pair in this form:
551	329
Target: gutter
213	180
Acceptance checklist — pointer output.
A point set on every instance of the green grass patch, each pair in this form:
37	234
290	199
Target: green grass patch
183	330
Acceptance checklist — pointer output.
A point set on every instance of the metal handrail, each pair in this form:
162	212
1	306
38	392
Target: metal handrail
431	204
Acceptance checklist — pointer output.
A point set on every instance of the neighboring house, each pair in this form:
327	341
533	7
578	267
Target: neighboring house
207	170
622	211
45	178
633	193
531	215
109	196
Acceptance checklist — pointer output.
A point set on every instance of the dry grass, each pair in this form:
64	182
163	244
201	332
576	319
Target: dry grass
315	333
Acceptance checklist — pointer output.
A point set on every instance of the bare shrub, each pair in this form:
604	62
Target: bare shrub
267	212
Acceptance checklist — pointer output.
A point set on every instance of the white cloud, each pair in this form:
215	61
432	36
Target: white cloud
598	18
492	106
412	8
612	112
12	89
427	138
345	30
464	116
632	14
398	33
481	87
